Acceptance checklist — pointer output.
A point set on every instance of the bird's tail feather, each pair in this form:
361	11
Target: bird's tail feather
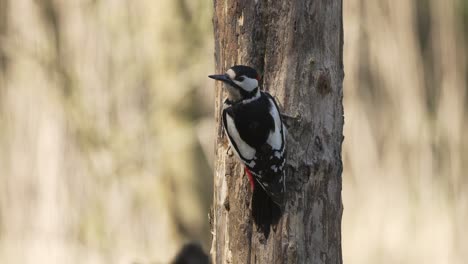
265	211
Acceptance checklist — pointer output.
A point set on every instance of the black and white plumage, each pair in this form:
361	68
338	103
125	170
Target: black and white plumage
252	122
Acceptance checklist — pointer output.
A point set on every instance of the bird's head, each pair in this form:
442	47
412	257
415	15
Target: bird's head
242	82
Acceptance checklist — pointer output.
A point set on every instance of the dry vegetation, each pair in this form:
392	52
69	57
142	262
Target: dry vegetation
105	130
405	156
100	162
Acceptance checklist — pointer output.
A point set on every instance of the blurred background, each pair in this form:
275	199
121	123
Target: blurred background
106	130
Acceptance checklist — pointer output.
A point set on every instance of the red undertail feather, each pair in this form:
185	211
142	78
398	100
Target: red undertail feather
251	179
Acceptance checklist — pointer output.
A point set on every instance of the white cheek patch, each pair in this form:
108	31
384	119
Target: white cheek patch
275	140
245	151
248	83
231	74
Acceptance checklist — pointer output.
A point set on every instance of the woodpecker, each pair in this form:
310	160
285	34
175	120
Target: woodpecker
253	124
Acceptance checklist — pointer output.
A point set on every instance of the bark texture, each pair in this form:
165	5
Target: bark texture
297	46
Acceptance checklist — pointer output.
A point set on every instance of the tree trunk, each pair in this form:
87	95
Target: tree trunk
297	46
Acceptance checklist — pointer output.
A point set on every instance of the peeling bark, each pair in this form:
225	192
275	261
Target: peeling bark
297	46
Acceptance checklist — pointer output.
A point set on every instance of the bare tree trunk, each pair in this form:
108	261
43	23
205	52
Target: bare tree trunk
297	45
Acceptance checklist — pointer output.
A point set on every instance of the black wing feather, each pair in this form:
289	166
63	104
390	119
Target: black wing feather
253	121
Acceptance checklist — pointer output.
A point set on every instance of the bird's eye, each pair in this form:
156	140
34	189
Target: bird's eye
240	78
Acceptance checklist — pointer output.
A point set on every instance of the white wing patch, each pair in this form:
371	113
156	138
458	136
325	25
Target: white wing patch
246	151
275	138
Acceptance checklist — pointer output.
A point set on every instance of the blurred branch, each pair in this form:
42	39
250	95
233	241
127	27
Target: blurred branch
184	10
4	8
50	12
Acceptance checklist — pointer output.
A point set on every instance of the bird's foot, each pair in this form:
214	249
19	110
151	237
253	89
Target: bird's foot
290	121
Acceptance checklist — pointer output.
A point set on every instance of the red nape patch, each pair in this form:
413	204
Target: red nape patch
258	77
251	179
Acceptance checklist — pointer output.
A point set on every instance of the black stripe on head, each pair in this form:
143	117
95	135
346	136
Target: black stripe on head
242	70
247	95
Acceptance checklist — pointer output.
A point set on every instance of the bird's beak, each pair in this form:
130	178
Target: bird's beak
221	77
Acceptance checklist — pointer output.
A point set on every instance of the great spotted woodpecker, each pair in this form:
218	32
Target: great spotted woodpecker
253	124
